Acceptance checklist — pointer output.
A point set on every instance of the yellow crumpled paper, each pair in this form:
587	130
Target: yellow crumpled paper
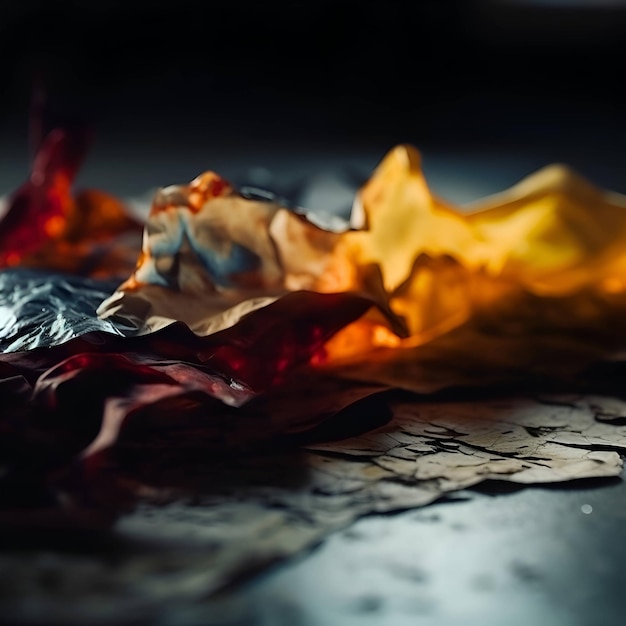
535	273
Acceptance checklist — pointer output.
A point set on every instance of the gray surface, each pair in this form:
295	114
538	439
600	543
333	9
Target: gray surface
535	556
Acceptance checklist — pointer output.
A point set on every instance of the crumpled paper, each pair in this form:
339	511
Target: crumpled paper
535	268
211	255
46	224
254	354
543	258
241	309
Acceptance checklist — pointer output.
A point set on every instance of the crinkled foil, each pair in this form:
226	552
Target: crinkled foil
43	309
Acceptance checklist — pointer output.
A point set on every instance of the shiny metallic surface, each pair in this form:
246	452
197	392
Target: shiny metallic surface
39	309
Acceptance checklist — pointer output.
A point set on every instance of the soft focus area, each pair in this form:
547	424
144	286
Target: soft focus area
193	82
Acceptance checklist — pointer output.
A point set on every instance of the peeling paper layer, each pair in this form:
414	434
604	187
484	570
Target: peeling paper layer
427	450
252	512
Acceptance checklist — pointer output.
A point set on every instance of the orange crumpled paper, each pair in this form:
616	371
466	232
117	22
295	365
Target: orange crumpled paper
539	263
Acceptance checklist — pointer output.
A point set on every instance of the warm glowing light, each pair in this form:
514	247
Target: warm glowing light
613	285
12	259
546	256
54	226
48	226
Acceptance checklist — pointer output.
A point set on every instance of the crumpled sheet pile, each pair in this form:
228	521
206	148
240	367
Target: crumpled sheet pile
230	323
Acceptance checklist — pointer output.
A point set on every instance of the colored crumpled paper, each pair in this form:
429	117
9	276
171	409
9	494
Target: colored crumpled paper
536	268
46	224
251	394
72	394
236	299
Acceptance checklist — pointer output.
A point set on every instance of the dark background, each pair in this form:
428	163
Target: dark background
163	80
433	70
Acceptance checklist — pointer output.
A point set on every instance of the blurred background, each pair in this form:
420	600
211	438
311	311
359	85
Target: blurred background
164	80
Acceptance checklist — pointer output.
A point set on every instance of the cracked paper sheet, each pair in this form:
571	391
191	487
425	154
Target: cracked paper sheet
235	518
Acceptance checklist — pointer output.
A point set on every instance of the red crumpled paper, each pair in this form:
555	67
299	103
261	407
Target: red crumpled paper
48	225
